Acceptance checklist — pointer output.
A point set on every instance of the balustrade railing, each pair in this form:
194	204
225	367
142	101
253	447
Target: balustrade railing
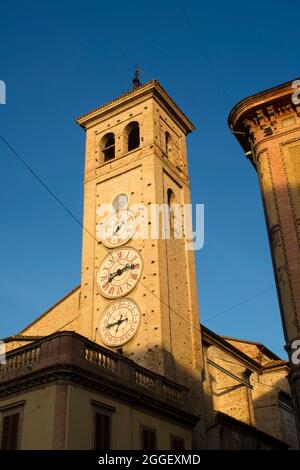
21	359
101	359
68	348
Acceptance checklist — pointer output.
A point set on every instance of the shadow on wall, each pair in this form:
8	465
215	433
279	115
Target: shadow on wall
250	402
239	410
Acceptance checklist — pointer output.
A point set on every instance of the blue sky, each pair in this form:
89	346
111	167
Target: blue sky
59	59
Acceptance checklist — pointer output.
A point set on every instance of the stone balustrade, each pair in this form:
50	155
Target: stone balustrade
68	351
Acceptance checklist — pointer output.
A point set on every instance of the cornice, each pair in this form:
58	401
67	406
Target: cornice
261	99
71	374
20	337
152	88
275	365
211	339
261	112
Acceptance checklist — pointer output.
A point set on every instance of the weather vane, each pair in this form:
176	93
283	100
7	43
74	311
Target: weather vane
136	79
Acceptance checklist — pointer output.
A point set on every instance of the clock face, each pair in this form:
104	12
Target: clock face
118	229
119	272
119	322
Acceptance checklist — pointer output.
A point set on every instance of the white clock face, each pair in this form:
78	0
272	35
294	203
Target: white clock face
119	272
119	229
119	322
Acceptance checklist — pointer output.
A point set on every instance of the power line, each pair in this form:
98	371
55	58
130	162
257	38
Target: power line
257	294
45	185
204	53
75	218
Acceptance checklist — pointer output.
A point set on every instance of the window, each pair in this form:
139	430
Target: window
171	197
11	418
168	144
177	444
148	438
108	147
172	208
102	425
10	432
132	135
102	431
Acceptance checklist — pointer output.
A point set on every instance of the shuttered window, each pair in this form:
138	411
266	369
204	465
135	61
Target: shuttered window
102	431
148	439
10	431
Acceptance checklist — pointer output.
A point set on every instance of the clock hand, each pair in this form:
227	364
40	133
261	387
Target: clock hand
121	321
118	228
122	270
110	325
118	272
115	323
111	276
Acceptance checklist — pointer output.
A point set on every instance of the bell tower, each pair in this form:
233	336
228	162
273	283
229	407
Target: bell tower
139	294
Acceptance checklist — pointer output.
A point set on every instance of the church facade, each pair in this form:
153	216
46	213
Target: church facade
122	362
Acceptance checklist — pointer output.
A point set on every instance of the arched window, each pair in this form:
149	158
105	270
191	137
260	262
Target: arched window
132	135
168	144
171	197
172	207
108	146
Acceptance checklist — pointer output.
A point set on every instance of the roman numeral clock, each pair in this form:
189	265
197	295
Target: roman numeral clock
118	274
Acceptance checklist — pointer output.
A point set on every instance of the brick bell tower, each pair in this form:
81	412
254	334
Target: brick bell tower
267	125
139	295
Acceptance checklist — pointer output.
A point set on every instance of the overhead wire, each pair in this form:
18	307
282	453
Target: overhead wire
77	220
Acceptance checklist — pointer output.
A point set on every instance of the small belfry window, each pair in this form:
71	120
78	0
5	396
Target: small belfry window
172	206
108	146
168	144
132	132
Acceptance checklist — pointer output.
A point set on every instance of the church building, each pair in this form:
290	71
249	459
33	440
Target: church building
122	362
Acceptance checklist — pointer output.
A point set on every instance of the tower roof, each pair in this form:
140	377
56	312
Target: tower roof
151	88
